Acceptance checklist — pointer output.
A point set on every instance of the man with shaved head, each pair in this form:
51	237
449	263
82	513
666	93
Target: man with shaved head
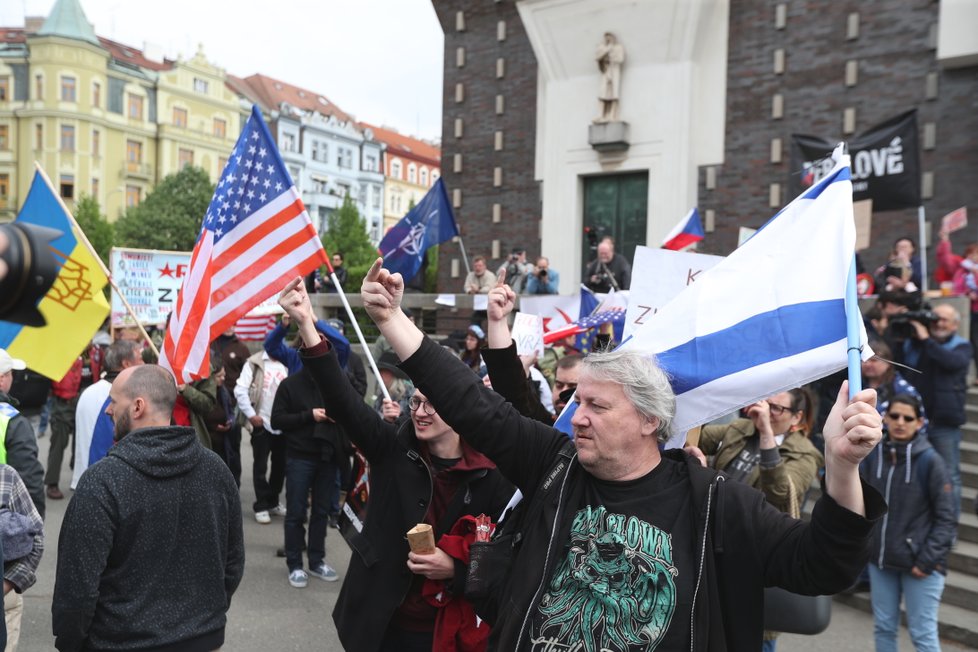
151	546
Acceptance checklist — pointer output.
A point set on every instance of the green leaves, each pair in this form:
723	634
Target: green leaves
170	216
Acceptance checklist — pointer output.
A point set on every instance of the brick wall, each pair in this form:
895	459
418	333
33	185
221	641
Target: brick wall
895	48
518	196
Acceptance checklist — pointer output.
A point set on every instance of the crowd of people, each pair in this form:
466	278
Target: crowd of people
613	543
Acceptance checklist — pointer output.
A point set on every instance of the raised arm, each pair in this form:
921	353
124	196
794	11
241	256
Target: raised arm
851	431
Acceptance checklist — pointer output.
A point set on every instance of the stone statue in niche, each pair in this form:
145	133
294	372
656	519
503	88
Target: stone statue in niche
610	57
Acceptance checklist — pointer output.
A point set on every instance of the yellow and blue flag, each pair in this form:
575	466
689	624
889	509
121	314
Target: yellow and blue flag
74	307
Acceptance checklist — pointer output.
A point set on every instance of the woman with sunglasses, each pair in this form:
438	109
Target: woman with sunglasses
910	545
421	471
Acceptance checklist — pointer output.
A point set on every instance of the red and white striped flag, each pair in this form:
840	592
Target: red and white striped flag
255	238
254	328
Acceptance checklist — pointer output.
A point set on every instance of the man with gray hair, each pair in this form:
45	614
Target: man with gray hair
93	427
623	545
151	547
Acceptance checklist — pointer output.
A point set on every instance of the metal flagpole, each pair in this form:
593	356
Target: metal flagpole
923	249
356	327
853	318
465	259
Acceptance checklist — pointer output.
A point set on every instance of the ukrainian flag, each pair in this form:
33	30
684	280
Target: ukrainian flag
74	307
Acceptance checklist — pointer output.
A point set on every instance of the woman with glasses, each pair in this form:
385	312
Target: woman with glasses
421	471
910	545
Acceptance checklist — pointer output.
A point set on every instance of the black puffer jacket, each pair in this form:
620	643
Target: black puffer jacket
744	543
151	548
920	525
401	485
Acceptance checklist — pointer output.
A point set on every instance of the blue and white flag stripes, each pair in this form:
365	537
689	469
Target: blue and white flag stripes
769	317
429	223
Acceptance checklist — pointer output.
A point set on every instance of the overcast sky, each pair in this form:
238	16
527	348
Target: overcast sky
380	60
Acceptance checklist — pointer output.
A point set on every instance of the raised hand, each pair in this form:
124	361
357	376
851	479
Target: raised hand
501	301
295	301
381	293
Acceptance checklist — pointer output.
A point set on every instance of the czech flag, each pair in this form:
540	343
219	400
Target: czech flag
689	231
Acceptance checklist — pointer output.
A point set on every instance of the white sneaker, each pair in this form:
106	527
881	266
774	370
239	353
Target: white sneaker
263	517
278	510
298	578
324	572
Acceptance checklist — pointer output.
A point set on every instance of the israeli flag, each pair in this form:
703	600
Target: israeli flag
769	317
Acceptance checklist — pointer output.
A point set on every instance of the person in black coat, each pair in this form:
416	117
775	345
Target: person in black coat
420	472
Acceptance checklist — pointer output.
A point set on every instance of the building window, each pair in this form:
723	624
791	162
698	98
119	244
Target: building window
4	186
377	192
295	173
96	142
135	107
222	163
344	189
434	176
320	185
68	186
4	137
96	94
288	142
95	188
412	173
186	157
320	152
132	195
220	127
68	89
344	158
67	138
4	88
38	136
179	117
134	151
38	87
200	85
370	163
396	169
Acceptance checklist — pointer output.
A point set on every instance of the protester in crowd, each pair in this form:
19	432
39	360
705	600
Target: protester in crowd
93	427
475	339
201	398
543	279
902	270
354	365
255	393
880	374
151	546
947	261
440	482
64	400
516	270
601	519
17	440
22	536
965	282
910	546
232	353
609	271
942	357
315	446
399	386
565	380
326	283
357	374
769	450
276	347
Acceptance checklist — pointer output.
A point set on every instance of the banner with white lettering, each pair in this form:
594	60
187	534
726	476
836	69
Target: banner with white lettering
150	281
885	163
658	275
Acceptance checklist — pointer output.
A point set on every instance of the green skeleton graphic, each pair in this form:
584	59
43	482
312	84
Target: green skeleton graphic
615	589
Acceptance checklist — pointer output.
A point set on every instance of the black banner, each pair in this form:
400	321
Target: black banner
885	163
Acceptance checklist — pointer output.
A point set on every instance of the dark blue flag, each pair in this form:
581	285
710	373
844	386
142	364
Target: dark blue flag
429	223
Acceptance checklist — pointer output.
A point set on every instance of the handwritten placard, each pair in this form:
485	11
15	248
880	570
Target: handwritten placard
528	333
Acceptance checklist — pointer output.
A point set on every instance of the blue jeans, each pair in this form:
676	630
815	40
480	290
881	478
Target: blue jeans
923	597
946	440
769	646
301	476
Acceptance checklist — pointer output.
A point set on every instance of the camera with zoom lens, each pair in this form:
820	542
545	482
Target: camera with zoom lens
31	270
925	316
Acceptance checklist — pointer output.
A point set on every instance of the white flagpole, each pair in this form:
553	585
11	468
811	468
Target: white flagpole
465	259
356	327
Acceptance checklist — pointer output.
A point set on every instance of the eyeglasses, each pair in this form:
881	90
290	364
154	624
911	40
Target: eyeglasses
415	403
778	410
906	418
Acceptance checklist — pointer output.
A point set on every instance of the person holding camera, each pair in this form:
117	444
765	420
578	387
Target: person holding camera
517	270
942	358
544	280
609	271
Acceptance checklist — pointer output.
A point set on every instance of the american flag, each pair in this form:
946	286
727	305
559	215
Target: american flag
256	237
585	324
254	329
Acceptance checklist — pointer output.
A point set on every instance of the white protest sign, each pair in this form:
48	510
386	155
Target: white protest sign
658	275
150	281
557	310
528	333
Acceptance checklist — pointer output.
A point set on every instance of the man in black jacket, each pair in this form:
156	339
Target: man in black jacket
625	546
151	547
313	446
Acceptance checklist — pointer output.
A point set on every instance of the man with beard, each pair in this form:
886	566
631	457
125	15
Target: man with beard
151	546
